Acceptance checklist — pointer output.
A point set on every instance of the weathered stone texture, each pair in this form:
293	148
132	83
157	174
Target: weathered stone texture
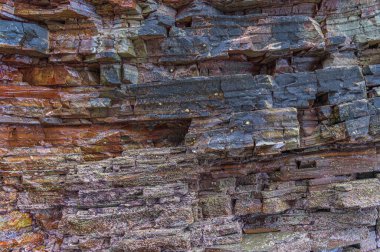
190	125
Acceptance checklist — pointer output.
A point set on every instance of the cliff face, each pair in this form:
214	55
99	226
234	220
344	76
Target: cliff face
146	125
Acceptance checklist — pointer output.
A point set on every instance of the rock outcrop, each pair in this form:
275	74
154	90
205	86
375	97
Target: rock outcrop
190	125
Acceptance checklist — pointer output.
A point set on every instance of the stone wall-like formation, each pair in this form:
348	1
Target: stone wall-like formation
181	125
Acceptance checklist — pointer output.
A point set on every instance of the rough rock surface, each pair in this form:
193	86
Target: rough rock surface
190	125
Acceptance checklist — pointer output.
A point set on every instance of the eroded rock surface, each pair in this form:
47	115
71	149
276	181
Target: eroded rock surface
190	125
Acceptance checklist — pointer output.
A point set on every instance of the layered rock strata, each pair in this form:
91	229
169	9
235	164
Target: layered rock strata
190	125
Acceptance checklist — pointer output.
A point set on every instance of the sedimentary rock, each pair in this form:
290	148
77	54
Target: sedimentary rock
189	125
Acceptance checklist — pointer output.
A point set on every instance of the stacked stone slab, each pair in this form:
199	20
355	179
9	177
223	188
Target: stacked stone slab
190	125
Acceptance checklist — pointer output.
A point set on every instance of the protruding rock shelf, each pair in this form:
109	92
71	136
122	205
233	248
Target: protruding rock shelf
190	125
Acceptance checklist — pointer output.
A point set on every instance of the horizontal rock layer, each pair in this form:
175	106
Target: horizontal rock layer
189	125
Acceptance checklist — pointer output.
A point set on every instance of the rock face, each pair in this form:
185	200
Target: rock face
181	125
